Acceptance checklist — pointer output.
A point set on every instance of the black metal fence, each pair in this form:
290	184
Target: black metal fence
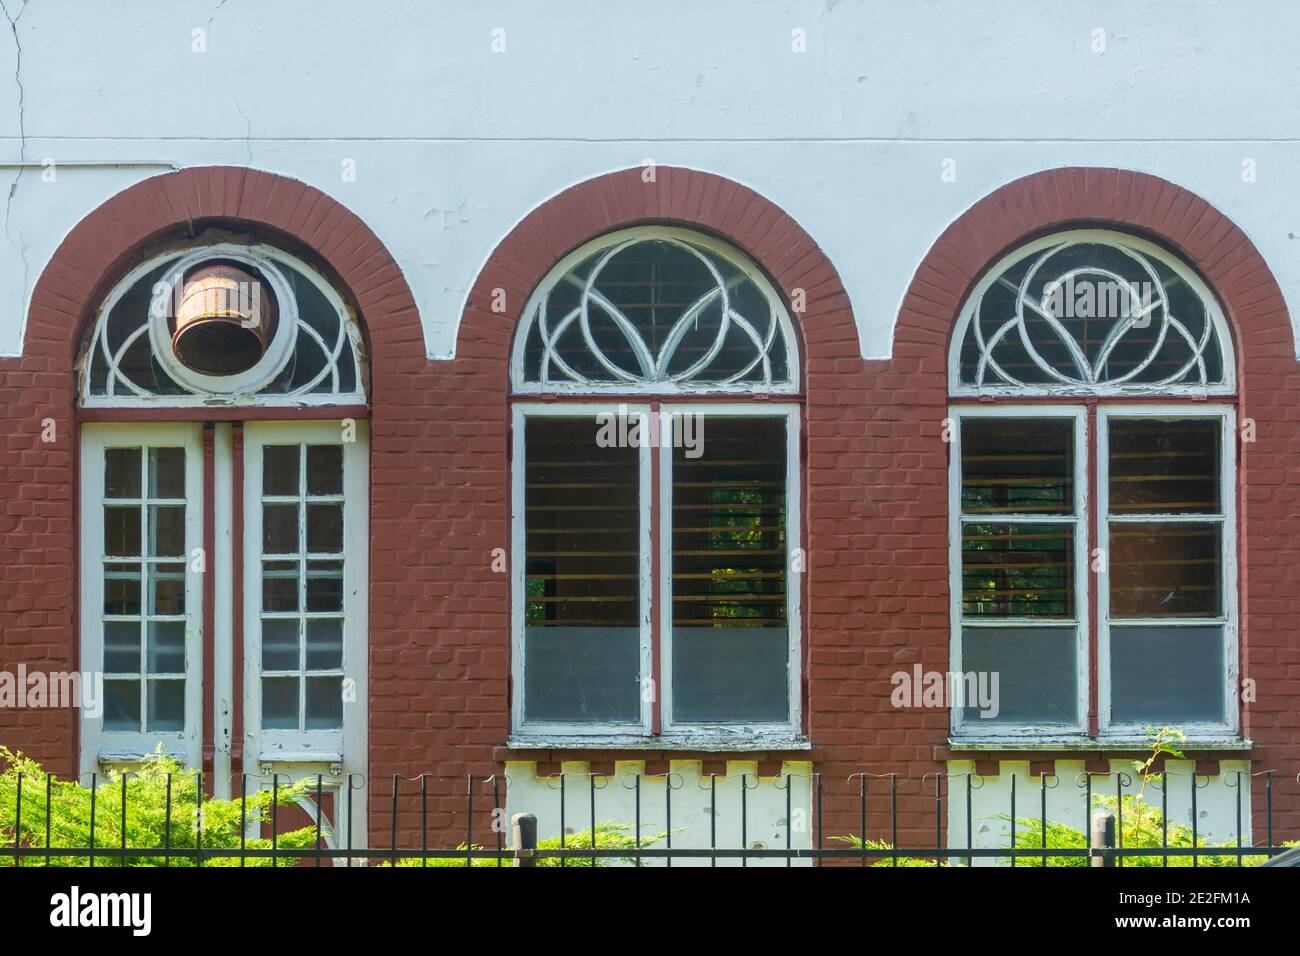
1094	835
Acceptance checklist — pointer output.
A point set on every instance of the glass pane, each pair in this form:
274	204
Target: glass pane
166	647
325	529
122	705
731	674
167	473
166	706
1017	570
168	589
324	469
1165	569
1164	467
1018	675
122	647
122	589
1017	465
324	703
324	644
575	674
1091	291
122	531
730	634
122	473
167	530
582	643
280	470
280	586
641	293
324	585
280	644
280	703
279	529
1166	675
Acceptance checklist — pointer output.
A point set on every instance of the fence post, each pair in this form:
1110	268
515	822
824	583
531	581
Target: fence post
1103	838
523	836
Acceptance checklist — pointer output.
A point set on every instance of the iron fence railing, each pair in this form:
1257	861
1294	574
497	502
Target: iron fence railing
1102	839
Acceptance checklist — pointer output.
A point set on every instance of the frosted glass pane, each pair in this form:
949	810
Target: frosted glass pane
1037	679
582	674
731	674
1164	675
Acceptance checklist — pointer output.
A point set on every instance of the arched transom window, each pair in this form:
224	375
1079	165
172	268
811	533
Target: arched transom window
1092	311
656	551
302	345
661	308
1093	496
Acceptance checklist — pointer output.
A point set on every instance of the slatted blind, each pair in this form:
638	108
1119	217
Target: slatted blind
1012	468
729	513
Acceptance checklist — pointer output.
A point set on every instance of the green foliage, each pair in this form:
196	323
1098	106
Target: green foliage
146	814
609	836
859	844
1142	828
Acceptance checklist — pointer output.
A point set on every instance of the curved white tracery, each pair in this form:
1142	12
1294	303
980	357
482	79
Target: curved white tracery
1091	311
314	356
605	319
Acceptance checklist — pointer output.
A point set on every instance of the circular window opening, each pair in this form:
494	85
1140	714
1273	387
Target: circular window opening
226	318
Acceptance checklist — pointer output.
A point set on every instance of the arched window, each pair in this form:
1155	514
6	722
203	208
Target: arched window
655	500
306	350
662	309
1093	494
1092	312
223	507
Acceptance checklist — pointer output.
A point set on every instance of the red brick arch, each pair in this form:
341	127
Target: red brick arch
676	196
99	248
1073	196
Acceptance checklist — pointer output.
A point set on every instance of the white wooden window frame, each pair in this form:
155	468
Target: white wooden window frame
655	596
518	562
794	575
344	747
1077	414
1225	415
784	330
1220	331
101	748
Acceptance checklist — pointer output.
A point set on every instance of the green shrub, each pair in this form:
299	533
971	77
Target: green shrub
859	844
609	836
146	815
1142	828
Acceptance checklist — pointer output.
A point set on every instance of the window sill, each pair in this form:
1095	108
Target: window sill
699	743
116	758
1090	744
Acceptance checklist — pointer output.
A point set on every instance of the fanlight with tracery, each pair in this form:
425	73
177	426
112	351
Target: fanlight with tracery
662	308
313	348
1092	311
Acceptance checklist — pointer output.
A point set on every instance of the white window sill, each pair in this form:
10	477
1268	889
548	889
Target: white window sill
114	758
701	742
1092	744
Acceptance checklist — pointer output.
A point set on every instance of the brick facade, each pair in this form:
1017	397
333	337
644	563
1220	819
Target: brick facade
875	489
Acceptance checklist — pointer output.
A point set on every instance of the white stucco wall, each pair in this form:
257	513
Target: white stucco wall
990	801
759	821
453	143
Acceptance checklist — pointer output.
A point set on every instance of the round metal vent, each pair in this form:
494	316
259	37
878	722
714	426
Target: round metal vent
224	321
